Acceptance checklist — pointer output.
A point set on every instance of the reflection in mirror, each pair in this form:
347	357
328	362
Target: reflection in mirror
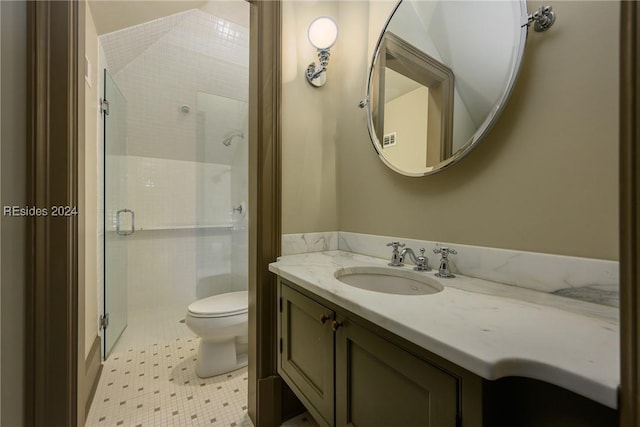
439	78
413	107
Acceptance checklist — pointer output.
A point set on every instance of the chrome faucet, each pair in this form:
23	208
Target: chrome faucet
444	271
396	259
421	262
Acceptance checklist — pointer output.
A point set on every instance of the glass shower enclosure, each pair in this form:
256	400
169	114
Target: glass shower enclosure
190	238
119	220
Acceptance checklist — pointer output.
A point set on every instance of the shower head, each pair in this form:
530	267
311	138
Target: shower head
230	136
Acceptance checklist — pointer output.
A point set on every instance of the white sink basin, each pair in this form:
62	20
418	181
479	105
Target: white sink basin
389	280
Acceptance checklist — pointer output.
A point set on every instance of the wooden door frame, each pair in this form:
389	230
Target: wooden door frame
51	324
629	214
265	386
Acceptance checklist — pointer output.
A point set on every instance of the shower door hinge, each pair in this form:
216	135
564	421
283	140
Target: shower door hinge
280	304
104	321
104	106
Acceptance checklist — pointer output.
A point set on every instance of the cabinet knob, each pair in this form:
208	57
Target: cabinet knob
335	325
324	318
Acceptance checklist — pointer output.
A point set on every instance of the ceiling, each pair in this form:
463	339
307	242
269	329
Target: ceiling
114	15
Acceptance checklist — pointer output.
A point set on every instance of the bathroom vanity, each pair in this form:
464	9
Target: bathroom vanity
475	353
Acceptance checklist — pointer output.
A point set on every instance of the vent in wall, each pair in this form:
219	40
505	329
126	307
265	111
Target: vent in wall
389	140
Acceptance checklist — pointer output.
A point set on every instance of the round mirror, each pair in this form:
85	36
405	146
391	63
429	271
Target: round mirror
441	73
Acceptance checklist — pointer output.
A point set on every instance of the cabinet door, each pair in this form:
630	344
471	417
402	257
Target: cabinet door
381	385
306	360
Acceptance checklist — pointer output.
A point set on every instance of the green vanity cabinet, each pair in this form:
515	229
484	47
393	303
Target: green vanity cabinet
347	373
380	384
306	352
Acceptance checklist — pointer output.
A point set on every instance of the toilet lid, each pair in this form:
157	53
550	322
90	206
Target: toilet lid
221	305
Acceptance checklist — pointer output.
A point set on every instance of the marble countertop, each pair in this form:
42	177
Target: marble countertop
490	329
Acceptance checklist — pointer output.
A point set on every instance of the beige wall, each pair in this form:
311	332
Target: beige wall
309	125
407	115
91	185
545	178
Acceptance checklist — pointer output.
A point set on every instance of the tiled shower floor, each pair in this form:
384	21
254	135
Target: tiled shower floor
146	327
156	385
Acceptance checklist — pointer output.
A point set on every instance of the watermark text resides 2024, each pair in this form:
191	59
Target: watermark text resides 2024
34	211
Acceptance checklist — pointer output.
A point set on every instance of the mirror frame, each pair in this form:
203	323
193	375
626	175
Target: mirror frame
482	130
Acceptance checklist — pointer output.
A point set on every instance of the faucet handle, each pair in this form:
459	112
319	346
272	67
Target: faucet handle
396	258
444	270
445	251
422	251
396	245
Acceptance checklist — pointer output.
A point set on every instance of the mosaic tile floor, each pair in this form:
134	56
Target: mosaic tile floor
156	385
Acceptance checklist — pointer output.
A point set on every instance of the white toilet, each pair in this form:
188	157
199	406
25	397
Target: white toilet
221	322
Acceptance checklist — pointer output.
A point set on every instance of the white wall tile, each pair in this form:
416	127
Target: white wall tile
240	196
168	268
162	65
169	193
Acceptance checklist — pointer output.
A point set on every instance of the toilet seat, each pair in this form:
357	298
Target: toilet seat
223	305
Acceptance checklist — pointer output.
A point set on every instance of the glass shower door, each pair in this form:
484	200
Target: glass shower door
119	221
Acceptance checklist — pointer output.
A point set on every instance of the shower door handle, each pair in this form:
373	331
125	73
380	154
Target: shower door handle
133	223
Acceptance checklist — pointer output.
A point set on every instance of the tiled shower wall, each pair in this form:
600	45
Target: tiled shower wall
181	250
185	78
240	233
161	66
168	193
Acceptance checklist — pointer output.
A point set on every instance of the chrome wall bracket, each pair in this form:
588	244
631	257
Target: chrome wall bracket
542	19
318	77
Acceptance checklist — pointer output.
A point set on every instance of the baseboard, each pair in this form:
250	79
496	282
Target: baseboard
93	370
268	413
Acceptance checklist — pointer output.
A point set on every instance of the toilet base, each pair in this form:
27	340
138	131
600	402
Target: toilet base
216	358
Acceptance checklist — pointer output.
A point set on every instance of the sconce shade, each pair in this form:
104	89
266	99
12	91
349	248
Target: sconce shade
323	32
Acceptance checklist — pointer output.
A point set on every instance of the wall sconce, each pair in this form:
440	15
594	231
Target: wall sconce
323	32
